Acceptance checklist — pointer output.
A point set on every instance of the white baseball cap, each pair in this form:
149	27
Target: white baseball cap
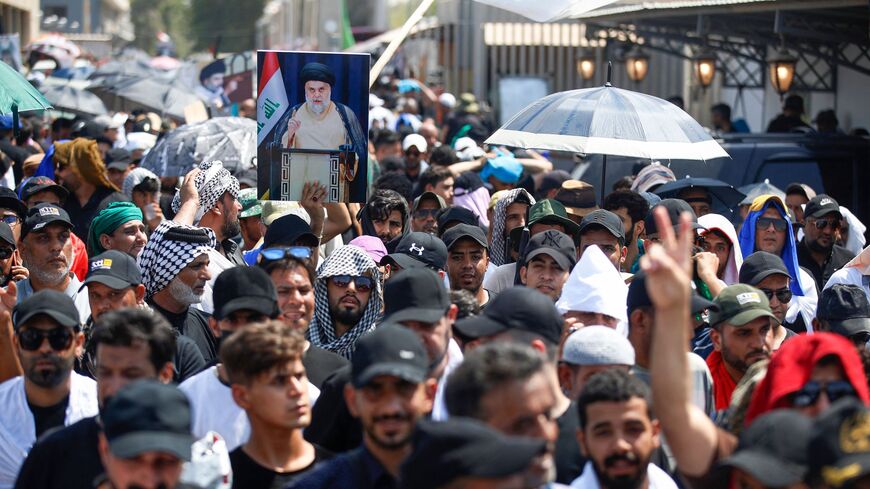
415	140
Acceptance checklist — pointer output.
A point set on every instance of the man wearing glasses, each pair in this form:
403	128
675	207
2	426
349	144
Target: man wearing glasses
48	339
818	251
12	210
767	273
424	213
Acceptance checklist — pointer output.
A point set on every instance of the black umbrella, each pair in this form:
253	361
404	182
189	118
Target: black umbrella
232	140
164	98
724	192
73	99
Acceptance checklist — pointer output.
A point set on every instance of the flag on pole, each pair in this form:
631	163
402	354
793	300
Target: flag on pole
271	96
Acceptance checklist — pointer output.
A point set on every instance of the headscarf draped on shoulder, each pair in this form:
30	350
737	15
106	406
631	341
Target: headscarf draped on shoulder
789	251
172	247
82	156
498	250
108	220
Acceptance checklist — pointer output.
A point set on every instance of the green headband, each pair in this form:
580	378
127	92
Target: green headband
108	220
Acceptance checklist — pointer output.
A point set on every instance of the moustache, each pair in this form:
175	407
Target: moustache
392	417
629	457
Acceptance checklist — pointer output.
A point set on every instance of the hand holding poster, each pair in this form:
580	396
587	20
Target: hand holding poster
312	112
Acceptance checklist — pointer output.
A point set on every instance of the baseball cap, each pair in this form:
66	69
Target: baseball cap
597	345
838	451
428	196
675	207
551	211
419	249
556	245
250	205
113	269
52	303
391	349
42	215
415	140
288	230
456	214
118	159
846	309
9	200
738	304
273	209
148	416
240	288
606	219
638	296
773	449
444	451
460	231
39	184
800	188
577	197
822	205
372	245
760	265
415	294
518	308
6	234
553	180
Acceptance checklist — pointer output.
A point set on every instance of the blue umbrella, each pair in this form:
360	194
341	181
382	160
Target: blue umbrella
726	193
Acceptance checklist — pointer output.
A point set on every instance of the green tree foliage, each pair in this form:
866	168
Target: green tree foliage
170	16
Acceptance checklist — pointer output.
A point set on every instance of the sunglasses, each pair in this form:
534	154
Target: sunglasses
783	295
765	222
362	283
810	392
426	213
58	338
11	220
281	252
6	253
824	223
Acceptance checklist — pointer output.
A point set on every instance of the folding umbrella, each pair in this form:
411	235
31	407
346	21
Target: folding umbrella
722	191
232	140
73	99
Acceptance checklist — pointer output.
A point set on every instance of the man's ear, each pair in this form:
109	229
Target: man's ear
639	229
716	338
240	396
214	326
105	241
523	272
166	373
564	373
139	290
581	441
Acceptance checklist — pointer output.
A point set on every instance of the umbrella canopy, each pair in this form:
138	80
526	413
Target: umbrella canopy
164	98
232	140
753	190
726	193
59	48
609	121
120	71
73	99
17	94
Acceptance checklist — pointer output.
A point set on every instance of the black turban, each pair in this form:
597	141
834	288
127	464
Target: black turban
212	69
317	72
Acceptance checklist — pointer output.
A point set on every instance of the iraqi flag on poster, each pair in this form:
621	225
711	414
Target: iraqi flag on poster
271	96
549	11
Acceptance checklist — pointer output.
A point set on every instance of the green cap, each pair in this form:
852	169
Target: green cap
550	210
739	304
250	205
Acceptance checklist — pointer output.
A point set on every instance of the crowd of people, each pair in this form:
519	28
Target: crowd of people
483	320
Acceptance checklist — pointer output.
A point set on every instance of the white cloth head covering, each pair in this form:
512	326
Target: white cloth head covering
598	345
170	248
595	285
140	140
135	177
735	259
212	182
856	240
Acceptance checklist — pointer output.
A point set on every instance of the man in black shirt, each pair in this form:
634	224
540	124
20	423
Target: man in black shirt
818	251
7	145
126	345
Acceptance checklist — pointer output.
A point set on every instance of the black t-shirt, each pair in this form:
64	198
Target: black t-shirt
188	359
320	364
193	324
48	417
332	426
569	460
82	215
248	474
66	458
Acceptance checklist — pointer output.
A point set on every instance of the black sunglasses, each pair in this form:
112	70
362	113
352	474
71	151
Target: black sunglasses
810	392
58	338
6	253
824	223
765	222
784	294
425	213
362	283
281	252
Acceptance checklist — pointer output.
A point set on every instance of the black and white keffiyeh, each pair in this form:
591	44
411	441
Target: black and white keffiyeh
347	260
212	182
172	247
497	251
135	177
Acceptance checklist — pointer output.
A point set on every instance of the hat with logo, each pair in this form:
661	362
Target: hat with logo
839	451
739	304
6	234
519	308
391	349
428	196
39	184
675	208
638	296
606	219
845	308
415	294
554	244
250	205
597	345
419	249
9	200
577	197
148	416
247	288
464	231
289	230
760	265
444	451
52	303
42	215
113	269
456	214
822	205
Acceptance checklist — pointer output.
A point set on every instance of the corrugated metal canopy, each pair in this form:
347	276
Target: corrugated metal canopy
655	8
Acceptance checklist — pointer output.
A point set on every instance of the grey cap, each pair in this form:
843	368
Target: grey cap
597	345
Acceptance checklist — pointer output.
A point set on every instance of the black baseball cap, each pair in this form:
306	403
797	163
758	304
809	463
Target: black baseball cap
555	244
391	349
118	159
39	184
760	265
52	303
415	294
846	309
428	196
42	215
773	449
242	287
148	416
113	269
822	205
519	308
606	219
838	451
6	234
639	297
456	214
675	207
461	231
419	249
9	200
444	451
289	230
552	180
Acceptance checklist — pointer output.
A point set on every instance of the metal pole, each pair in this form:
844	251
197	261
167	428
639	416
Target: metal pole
397	41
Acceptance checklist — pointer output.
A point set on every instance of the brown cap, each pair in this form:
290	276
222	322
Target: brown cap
577	197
